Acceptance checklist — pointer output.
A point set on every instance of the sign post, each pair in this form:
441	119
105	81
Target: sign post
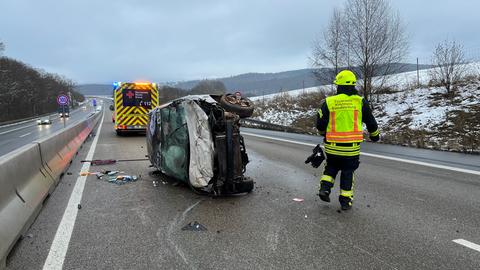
63	101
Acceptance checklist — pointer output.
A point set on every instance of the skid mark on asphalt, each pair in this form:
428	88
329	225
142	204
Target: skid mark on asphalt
432	165
468	244
175	224
59	247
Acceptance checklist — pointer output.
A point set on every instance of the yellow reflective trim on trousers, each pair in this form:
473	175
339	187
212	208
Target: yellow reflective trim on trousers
375	133
327	178
346	193
345	154
343	148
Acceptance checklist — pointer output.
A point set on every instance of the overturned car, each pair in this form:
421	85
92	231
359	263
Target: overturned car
196	139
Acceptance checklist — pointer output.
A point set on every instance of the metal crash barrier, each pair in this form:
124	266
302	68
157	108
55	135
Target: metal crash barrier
252	123
29	174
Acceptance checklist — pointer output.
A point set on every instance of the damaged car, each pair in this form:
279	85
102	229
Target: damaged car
197	140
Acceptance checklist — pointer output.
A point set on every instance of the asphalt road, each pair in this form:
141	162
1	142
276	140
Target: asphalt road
405	216
17	135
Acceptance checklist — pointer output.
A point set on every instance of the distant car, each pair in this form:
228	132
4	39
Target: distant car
84	107
196	139
44	121
64	111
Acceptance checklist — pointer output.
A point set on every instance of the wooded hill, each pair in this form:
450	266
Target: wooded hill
26	91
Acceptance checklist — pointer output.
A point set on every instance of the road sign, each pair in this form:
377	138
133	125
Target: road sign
62	100
94	101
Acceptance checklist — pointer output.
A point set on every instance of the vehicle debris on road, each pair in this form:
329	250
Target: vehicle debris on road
194	226
123	179
113	177
98	162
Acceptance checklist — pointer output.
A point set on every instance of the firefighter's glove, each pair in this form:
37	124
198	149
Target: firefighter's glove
316	158
375	138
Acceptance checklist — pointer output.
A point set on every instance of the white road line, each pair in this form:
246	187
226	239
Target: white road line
18	123
15	129
21	136
467	244
59	247
376	155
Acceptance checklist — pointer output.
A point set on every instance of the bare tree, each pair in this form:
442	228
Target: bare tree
377	39
328	52
25	91
2	47
368	37
449	61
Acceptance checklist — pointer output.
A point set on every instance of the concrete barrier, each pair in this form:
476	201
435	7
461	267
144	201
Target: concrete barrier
58	150
24	186
29	174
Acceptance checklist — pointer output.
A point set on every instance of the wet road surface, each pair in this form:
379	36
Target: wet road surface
405	216
17	135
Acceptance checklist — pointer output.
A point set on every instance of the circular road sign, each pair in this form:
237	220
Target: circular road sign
62	100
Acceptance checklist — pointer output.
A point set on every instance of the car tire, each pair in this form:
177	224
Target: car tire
242	111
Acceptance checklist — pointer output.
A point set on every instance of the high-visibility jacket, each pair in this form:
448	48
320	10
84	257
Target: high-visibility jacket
345	125
340	119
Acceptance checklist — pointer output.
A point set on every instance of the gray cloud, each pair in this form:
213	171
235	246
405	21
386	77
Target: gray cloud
103	41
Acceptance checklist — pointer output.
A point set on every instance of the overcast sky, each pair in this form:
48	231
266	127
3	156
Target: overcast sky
99	41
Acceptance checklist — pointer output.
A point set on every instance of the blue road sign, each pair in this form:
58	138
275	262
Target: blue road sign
62	100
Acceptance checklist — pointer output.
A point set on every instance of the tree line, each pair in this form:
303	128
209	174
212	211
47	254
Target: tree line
27	92
215	87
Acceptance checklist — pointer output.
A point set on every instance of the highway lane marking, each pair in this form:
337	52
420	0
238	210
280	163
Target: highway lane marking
467	244
18	123
375	155
21	136
59	247
15	129
26	121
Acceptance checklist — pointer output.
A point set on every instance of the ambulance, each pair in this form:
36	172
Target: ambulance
132	103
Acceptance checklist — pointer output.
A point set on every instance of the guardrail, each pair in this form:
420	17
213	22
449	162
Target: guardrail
252	123
29	174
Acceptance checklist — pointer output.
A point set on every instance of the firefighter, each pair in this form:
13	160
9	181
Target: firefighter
340	120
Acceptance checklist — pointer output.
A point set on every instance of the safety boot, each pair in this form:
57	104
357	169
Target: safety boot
345	203
324	193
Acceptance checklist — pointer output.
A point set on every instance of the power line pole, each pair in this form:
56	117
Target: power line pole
418	76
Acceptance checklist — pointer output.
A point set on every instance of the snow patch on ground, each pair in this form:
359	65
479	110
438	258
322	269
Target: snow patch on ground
408	116
284	118
426	107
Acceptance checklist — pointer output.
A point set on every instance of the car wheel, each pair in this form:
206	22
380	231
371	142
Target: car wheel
242	107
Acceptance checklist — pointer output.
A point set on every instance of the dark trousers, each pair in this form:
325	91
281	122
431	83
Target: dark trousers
347	167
